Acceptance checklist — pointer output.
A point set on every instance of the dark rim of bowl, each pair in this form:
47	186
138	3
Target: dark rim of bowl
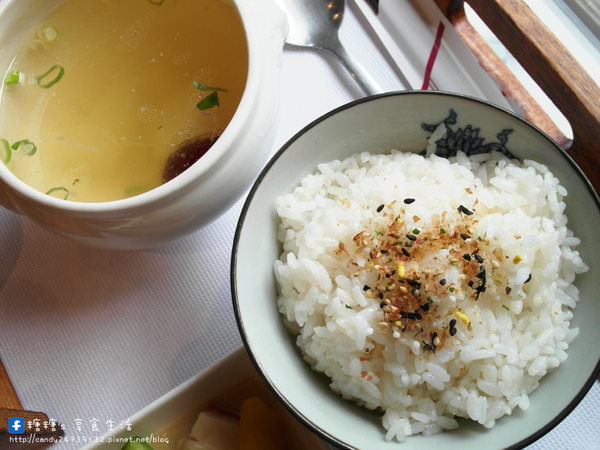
322	433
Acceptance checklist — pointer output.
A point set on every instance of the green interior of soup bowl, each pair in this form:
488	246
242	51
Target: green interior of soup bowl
379	124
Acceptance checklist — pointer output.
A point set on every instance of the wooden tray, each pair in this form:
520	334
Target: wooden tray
548	62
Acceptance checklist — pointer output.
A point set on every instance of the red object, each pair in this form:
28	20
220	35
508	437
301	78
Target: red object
434	51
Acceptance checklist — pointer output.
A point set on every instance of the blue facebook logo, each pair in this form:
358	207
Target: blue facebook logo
16	425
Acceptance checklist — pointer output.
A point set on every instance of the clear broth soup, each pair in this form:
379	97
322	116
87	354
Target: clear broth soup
104	91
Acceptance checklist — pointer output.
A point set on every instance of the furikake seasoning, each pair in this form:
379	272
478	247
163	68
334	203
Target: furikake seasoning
416	274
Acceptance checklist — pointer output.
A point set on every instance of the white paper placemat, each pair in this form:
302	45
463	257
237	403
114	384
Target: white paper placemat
92	336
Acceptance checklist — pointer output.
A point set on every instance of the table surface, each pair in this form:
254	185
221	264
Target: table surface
92	336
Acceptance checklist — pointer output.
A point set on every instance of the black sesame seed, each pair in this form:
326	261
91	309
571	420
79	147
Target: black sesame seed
413	283
528	279
411	237
411	315
381	295
408	201
452	331
467	257
384	251
366	288
464	237
478	258
380	208
382	305
471	283
425	307
464	210
405	252
443	281
481	275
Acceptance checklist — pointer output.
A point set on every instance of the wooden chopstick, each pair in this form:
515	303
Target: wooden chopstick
8	396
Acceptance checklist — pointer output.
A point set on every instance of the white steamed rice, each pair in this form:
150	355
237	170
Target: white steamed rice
509	341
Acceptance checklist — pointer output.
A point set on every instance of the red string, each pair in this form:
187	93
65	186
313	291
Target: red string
434	51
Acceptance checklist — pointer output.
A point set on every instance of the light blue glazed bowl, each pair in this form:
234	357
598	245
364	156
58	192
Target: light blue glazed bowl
379	124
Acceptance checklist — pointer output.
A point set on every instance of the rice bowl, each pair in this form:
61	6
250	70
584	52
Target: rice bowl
377	125
420	306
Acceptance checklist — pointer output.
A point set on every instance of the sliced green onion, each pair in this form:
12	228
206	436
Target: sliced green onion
13	78
29	147
48	33
7	151
62	189
203	87
60	72
208	102
156	2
